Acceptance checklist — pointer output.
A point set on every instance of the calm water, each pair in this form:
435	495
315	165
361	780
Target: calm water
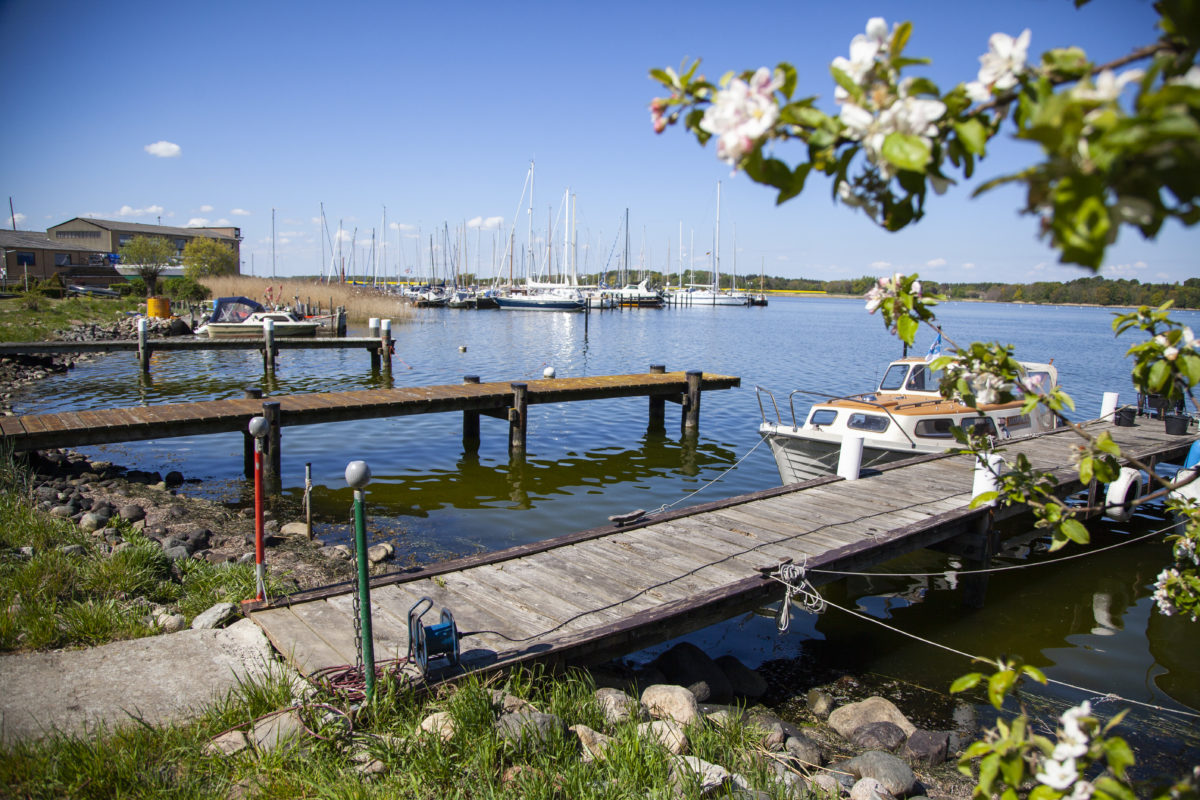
1087	621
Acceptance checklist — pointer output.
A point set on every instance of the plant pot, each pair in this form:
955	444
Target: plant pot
1123	418
1177	424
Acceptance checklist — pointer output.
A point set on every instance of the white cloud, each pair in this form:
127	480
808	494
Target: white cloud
162	149
239	212
285	240
968	265
401	226
222	222
1125	270
489	224
20	218
881	264
197	222
130	211
291	233
204	209
936	262
343	235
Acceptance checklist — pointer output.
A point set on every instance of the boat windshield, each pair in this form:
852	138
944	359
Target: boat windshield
893	379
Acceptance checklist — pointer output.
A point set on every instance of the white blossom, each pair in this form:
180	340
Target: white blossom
1082	791
1161	597
864	48
742	113
909	115
1004	60
1058	774
1190	78
1107	87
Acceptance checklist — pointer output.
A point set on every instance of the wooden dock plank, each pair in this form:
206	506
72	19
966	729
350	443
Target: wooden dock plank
296	640
335	629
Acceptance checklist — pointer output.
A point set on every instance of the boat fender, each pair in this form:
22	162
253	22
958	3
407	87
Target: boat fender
1122	493
1193	456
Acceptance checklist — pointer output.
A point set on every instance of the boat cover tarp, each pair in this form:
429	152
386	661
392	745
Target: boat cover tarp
234	309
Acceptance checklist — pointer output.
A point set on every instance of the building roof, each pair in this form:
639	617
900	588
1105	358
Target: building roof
38	240
161	230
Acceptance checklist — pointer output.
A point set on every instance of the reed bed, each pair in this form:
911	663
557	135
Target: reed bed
361	303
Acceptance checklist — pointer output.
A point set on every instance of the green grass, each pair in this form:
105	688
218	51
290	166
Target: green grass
53	600
171	762
34	319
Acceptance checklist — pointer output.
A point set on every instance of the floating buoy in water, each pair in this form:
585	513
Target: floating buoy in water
462	348
548	372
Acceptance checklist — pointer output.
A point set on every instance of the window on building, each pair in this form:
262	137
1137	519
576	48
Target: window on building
26	258
179	245
77	234
124	239
62	259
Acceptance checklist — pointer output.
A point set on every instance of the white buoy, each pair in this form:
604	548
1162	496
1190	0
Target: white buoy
987	476
548	372
358	474
1108	406
850	458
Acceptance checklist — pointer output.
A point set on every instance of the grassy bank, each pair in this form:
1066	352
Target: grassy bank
32	318
61	587
404	762
360	303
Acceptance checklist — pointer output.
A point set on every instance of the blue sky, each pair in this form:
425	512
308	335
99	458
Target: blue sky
435	111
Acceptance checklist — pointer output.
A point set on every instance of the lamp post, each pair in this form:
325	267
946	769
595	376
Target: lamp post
358	475
258	429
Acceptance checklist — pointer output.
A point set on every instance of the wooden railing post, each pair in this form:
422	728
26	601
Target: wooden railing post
517	418
252	393
691	402
658	403
470	421
272	462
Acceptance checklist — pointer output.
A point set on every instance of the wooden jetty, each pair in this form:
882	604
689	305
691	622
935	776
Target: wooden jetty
505	400
380	348
588	596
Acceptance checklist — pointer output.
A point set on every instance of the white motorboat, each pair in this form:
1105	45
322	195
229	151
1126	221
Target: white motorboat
638	295
905	416
242	318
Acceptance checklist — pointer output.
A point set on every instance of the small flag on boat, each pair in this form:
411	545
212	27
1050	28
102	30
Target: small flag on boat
935	349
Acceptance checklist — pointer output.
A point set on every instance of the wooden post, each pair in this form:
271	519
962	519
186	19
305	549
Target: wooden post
658	403
385	343
974	587
272	463
269	346
252	393
691	402
517	418
470	422
143	346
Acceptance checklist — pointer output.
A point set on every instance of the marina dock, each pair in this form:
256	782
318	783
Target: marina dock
508	401
591	595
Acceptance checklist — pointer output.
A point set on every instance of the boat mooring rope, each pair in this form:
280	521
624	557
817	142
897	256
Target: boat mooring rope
726	471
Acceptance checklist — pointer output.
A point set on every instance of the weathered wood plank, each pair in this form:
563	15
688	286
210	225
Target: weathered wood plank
335	628
296	640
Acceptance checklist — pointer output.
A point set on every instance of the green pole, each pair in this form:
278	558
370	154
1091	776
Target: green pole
358	475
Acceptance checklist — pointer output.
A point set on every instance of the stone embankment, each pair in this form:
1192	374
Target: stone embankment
864	750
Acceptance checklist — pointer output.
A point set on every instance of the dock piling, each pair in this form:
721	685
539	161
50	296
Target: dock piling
385	343
272	470
658	404
517	418
470	433
691	402
269	346
143	346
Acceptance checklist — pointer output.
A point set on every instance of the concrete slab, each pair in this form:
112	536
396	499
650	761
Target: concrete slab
158	679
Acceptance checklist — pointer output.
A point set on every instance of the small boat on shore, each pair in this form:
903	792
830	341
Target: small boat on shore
243	318
905	416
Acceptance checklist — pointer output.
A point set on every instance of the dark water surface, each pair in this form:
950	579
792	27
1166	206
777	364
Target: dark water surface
1088	621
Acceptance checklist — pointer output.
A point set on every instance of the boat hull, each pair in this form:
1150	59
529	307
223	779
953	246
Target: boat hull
801	459
238	330
518	303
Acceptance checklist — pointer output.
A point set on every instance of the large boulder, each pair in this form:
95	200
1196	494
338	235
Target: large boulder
896	776
743	681
849	718
664	701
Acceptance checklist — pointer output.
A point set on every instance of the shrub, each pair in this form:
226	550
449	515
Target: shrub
185	290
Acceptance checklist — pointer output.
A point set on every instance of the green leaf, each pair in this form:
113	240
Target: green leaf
1044	792
999	685
906	329
900	38
983	499
789	79
1113	788
1118	754
988	767
797	184
973	135
1074	530
907	151
965	682
1069	62
662	77
847	83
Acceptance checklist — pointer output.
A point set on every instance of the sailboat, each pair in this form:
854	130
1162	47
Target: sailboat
544	295
711	294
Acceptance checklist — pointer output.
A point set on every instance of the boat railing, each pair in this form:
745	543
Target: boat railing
856	398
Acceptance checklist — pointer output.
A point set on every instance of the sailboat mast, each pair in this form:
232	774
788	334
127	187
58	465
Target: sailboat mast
529	241
717	247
